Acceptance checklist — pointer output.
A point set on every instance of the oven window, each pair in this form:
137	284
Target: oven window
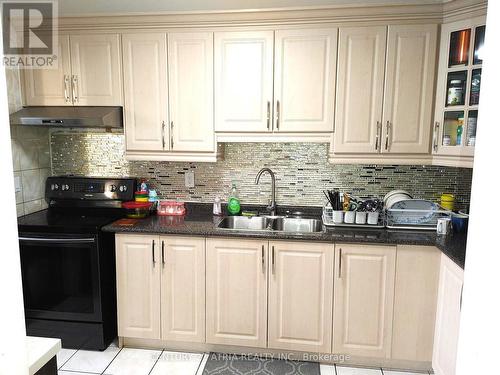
57	277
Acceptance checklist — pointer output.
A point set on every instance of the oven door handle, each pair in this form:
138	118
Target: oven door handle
58	240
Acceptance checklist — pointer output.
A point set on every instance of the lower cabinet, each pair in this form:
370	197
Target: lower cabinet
138	286
363	300
300	296
237	292
161	287
451	279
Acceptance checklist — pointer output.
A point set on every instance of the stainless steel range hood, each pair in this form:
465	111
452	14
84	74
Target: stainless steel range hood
75	117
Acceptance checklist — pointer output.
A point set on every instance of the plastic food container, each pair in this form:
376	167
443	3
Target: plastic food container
141	196
171	208
137	210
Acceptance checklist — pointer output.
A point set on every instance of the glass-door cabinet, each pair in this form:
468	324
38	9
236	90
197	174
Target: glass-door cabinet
458	89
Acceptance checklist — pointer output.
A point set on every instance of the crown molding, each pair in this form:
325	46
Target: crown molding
339	14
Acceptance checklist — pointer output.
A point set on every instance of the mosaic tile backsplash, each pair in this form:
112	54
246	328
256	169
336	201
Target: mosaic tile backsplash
302	172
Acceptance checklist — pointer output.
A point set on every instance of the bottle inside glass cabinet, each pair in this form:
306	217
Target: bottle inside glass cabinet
457	82
459	48
453	128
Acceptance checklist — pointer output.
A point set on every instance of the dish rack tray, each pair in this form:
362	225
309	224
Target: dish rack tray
415	219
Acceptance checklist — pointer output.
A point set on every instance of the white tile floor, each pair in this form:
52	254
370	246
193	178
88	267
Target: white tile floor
116	361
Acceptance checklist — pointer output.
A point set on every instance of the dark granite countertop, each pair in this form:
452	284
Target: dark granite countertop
199	222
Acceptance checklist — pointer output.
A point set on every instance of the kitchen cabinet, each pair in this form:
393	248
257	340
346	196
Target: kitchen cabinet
236	299
399	120
138	273
458	92
182	288
160	287
300	296
146	90
88	73
360	89
304	72
243	80
449	302
363	300
50	86
304	80
168	86
190	57
415	299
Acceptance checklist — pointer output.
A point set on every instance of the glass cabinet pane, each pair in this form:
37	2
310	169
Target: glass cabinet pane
459	48
456	87
471	128
475	87
478	45
453	128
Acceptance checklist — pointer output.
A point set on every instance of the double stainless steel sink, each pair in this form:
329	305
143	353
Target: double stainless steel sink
271	223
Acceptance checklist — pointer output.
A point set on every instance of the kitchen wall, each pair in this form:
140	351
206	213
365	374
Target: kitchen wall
302	171
30	154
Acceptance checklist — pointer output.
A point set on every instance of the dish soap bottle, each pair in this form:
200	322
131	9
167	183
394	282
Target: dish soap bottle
233	203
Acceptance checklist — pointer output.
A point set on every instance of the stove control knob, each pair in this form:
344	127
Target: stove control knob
54	187
112	188
123	188
65	187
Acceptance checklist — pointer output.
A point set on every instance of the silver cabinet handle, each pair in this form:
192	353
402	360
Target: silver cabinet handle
171	135
340	264
388	127
67	99
377	137
277	115
263	261
268	115
435	142
163	134
273	261
74	88
153	252
163	253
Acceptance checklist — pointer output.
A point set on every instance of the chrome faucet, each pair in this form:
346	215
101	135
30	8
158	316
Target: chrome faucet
272	206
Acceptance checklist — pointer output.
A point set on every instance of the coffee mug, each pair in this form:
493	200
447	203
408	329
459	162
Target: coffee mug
460	222
443	225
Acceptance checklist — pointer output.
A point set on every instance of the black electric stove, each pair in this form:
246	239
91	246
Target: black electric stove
68	263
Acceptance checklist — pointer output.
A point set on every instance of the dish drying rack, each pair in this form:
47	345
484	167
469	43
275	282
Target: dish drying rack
415	219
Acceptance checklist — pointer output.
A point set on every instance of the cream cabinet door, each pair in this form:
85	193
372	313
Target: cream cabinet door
243	81
408	100
236	292
360	89
363	300
50	86
300	296
138	285
146	90
190	66
415	298
304	80
451	279
96	69
183	288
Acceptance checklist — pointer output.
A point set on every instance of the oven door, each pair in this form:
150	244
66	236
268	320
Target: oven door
60	276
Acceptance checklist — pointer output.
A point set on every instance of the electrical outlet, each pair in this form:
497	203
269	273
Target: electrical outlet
189	179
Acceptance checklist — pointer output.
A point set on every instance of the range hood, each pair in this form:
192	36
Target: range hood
69	116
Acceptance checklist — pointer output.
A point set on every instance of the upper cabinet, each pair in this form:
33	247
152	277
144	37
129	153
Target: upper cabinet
243	81
146	90
88	73
303	78
190	69
360	89
169	96
389	113
458	92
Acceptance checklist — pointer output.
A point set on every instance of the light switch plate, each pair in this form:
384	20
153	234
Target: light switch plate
17	184
189	179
